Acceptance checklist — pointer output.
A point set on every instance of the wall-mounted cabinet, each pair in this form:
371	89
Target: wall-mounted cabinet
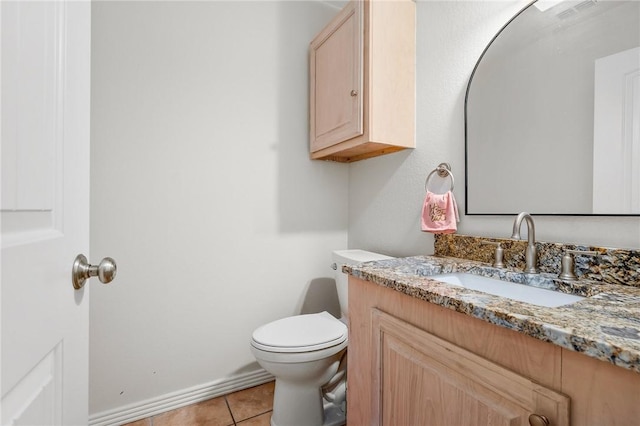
362	82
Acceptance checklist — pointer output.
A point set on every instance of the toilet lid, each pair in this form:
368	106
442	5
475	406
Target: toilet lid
301	333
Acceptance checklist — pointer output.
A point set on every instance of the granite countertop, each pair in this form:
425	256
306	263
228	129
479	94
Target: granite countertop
605	325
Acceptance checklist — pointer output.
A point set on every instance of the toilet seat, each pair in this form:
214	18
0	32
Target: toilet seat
300	333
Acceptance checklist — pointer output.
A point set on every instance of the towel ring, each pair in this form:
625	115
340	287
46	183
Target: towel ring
443	170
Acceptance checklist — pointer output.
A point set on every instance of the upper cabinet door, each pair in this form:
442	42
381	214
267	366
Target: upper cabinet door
336	58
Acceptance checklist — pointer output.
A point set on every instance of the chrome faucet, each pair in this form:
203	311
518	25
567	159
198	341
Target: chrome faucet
531	253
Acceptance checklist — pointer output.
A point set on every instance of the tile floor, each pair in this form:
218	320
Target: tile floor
248	407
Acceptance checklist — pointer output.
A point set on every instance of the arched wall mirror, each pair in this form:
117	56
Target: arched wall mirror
552	113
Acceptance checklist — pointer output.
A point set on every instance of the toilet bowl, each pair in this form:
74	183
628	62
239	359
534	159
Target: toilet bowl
304	353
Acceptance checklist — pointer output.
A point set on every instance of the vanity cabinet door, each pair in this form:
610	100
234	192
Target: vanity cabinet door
420	379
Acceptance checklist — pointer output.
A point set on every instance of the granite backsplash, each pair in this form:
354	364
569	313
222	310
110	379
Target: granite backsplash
613	266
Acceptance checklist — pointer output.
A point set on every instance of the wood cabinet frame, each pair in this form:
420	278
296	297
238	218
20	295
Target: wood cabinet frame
375	113
600	393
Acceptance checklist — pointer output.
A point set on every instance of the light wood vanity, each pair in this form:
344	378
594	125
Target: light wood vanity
412	362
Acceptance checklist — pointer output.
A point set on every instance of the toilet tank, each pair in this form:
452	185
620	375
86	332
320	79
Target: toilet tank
349	257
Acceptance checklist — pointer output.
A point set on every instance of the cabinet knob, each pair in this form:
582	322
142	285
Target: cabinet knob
354	93
538	420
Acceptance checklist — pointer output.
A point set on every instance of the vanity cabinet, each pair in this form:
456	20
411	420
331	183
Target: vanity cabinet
426	380
416	363
362	82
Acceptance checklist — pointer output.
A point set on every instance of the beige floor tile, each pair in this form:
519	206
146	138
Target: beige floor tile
143	422
213	412
251	402
261	420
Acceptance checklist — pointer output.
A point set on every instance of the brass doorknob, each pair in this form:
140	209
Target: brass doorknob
82	270
538	420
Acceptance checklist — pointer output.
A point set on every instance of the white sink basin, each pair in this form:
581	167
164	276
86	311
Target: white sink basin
520	292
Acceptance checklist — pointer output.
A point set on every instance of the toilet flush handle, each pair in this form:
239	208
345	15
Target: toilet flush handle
334	266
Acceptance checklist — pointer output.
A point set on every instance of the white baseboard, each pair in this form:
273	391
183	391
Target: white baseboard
173	400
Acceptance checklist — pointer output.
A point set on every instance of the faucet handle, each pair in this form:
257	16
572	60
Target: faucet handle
568	265
499	254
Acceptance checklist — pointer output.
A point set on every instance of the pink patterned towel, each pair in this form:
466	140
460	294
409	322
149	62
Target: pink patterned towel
440	213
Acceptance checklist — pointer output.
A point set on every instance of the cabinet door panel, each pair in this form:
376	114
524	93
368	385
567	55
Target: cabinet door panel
416	389
422	379
336	80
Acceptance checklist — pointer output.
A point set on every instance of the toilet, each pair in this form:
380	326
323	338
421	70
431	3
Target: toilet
307	356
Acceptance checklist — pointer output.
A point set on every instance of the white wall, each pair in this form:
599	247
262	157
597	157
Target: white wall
202	189
203	192
386	193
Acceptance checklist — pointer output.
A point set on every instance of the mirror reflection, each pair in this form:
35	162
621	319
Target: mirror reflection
553	113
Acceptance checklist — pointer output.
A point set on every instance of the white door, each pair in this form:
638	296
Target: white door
616	133
45	210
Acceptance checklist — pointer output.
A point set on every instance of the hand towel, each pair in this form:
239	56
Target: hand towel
440	213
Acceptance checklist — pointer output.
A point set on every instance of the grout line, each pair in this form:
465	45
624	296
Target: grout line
257	415
230	412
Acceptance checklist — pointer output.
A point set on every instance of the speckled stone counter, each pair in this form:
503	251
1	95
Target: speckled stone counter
612	265
605	325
